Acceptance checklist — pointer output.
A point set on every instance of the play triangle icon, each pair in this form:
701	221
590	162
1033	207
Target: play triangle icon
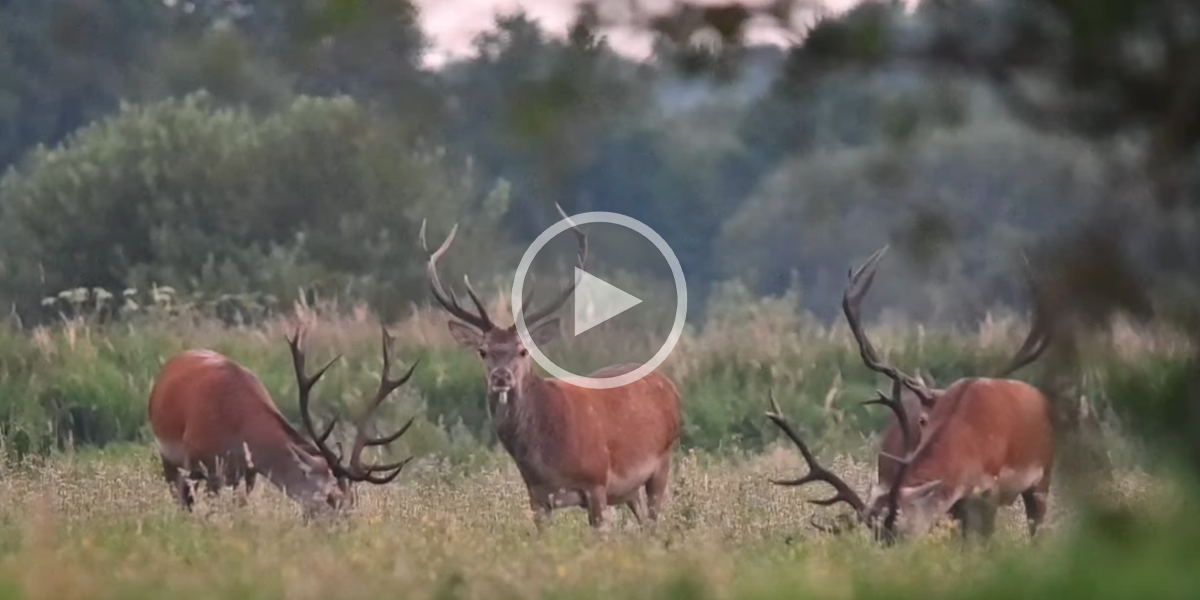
597	301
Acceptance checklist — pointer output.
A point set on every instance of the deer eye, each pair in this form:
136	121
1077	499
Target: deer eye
482	353
523	352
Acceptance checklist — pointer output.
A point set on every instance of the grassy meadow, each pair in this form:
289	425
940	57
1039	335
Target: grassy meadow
102	525
84	512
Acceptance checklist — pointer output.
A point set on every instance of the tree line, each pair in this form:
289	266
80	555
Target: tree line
260	149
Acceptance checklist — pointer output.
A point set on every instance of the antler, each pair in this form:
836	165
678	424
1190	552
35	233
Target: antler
844	493
304	384
449	301
1039	336
896	404
366	473
856	289
565	293
354	470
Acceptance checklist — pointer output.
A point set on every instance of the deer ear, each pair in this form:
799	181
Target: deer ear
307	462
299	455
465	334
926	378
546	331
922	493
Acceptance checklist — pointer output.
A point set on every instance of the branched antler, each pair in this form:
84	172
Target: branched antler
304	384
533	317
896	404
449	301
856	289
354	470
480	318
816	472
362	440
1040	330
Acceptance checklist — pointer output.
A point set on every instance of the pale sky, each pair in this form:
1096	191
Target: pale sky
452	24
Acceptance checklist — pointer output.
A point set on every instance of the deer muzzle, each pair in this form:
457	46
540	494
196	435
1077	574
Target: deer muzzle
500	383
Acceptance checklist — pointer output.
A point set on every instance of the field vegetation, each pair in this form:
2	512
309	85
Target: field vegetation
84	512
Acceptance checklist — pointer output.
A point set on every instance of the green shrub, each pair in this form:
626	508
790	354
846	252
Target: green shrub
319	195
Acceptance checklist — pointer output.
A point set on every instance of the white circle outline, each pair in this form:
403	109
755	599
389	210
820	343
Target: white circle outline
600	383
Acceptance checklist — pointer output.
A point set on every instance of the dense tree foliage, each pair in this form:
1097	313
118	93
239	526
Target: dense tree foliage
316	195
193	193
319	132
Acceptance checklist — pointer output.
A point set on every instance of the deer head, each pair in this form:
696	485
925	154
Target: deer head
327	479
506	361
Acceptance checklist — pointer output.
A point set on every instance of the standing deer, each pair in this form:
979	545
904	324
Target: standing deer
977	444
214	421
574	446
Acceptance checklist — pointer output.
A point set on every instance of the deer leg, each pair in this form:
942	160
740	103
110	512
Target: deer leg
212	478
248	477
233	473
180	489
638	507
656	489
987	518
969	515
541	517
212	485
959	512
541	508
597	502
1034	500
976	516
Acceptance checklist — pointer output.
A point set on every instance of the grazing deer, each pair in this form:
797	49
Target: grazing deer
976	445
214	421
574	446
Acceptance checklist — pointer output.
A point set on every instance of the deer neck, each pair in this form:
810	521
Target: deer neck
931	462
519	420
281	468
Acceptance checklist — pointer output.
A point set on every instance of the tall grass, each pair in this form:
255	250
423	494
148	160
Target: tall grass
85	383
103	525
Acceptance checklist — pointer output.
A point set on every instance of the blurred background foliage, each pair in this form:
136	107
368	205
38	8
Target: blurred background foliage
223	146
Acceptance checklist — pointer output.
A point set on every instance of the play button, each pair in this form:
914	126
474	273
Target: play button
597	301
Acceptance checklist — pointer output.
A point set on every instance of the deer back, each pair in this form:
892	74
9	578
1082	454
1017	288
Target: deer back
983	428
204	405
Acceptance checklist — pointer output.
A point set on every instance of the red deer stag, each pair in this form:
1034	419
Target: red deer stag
574	446
976	444
214	421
